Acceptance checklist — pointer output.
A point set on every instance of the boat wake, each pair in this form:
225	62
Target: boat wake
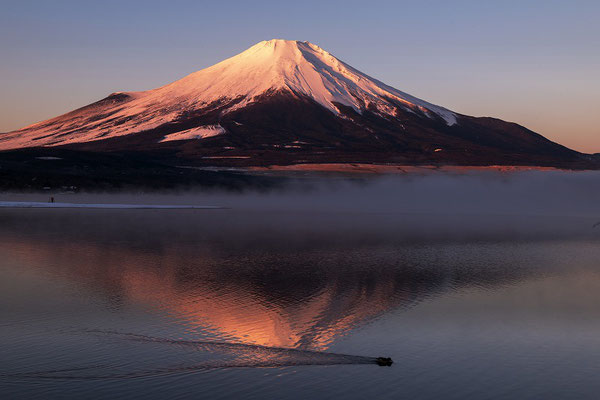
241	356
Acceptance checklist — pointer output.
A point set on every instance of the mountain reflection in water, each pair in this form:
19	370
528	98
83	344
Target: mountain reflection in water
477	286
276	280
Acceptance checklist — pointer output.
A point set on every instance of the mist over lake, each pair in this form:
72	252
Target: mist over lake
476	285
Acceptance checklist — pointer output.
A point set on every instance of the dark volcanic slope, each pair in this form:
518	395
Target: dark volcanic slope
286	129
287	102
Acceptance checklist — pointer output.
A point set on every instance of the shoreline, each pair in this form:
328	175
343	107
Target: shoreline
364	168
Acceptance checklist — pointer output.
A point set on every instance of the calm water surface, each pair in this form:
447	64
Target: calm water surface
249	303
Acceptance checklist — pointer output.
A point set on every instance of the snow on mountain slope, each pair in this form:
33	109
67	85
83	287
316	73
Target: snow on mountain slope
200	132
300	68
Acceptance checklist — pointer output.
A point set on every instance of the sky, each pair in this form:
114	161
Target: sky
534	62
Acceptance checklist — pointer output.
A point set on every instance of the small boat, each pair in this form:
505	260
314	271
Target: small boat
384	361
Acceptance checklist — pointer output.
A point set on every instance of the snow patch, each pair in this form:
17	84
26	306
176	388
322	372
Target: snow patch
201	132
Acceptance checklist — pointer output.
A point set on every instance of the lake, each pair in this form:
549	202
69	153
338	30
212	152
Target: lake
479	286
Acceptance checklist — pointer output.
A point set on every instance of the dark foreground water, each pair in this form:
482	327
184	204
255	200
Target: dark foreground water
263	303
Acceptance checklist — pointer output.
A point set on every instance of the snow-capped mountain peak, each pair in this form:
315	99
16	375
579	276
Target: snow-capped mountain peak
302	68
298	68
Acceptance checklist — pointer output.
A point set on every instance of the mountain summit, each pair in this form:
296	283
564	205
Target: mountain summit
286	102
299	68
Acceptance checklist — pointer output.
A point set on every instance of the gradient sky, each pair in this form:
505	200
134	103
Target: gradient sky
534	62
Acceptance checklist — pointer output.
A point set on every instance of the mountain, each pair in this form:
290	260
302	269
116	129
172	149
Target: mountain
286	102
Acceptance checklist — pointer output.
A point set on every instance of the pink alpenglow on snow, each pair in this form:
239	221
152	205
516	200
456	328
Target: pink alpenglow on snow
201	132
299	68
